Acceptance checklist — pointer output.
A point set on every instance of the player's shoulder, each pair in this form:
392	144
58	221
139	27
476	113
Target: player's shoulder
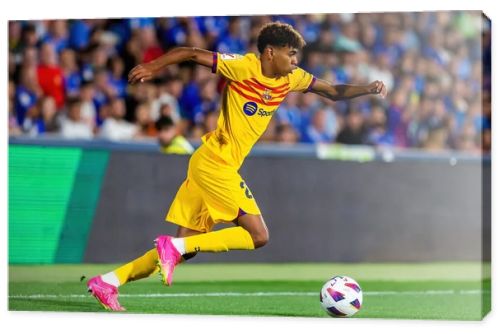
248	57
229	56
299	79
299	73
238	67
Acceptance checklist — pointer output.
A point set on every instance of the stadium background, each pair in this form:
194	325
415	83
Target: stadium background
436	66
428	139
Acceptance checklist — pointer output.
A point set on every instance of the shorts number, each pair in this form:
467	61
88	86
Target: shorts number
248	194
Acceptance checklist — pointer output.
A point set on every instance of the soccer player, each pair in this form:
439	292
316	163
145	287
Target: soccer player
213	191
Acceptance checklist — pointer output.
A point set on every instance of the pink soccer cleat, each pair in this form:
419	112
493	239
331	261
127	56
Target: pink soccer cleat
106	294
168	258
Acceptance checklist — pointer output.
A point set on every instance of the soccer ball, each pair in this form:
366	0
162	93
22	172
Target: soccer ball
341	296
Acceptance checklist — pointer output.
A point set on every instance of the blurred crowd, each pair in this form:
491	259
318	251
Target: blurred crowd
68	78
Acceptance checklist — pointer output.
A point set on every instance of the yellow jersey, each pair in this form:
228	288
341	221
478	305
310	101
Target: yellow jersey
248	102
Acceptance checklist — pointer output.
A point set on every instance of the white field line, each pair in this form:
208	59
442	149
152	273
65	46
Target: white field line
253	294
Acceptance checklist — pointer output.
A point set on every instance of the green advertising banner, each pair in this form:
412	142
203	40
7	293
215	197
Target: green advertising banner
53	194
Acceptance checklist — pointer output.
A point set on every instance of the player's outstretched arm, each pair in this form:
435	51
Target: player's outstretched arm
147	71
343	92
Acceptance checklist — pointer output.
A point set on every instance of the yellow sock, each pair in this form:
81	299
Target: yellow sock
139	268
219	241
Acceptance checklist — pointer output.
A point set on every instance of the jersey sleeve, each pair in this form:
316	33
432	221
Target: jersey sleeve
230	65
301	80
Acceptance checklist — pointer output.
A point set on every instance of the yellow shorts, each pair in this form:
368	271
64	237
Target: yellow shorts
212	193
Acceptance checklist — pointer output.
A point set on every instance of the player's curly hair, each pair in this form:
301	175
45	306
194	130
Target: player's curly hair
279	34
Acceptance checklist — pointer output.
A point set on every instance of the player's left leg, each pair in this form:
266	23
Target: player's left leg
250	233
256	227
170	250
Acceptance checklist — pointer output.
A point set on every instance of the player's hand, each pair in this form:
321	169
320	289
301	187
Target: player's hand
378	87
141	73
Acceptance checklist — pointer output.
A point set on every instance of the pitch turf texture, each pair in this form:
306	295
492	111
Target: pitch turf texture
446	291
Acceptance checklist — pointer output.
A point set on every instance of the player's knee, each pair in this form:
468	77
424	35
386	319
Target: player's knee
257	228
260	238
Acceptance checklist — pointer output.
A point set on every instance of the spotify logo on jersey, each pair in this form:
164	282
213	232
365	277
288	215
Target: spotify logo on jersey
250	108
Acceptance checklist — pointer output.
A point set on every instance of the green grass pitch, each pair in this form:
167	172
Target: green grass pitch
446	291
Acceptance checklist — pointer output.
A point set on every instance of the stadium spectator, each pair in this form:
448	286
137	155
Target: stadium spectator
435	140
290	113
381	68
377	133
167	110
486	124
232	40
167	102
145	124
79	34
354	130
30	57
15	36
209	124
94	60
318	131
147	93
50	74
57	34
211	27
286	134
132	53
169	139
14	129
190	97
114	126
50	115
41	117
73	125
71	72
149	44
27	39
209	101
103	93
27	92
398	118
116	77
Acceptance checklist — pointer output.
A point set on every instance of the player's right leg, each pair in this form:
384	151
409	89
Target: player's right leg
105	287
